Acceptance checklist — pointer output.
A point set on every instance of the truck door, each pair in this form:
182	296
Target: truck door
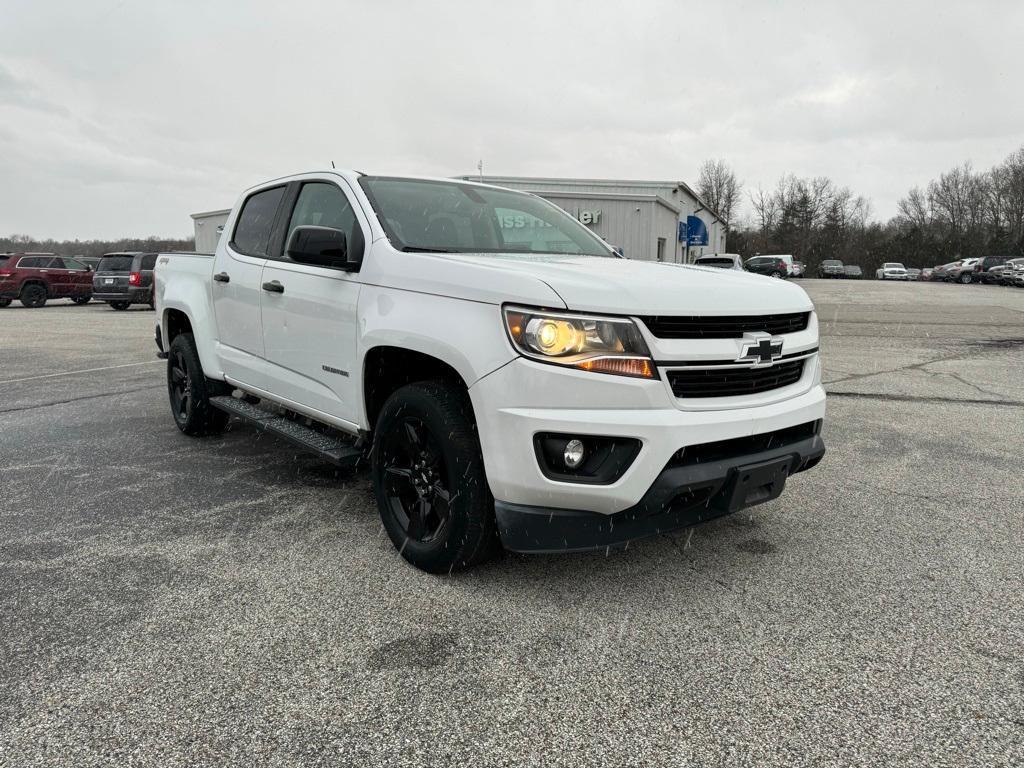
236	287
309	312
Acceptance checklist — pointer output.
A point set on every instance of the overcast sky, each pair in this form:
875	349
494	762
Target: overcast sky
122	117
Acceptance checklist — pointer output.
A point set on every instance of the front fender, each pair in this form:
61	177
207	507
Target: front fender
467	335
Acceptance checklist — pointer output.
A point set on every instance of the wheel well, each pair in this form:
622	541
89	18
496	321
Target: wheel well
387	369
34	281
177	323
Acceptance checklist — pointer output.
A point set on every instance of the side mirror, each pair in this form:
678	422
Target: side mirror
324	247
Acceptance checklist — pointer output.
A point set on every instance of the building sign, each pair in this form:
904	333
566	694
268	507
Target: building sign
588	217
693	231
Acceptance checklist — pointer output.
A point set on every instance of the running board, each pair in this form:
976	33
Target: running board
338	451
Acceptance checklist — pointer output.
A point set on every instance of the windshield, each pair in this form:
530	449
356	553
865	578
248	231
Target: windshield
892	266
832	263
451	217
115	264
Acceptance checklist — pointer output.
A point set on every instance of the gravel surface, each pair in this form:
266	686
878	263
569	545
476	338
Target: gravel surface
167	601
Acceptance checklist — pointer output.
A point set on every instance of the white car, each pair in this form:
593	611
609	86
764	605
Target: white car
892	271
509	376
720	261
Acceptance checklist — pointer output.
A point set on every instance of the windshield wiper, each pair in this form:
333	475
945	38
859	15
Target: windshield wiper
421	249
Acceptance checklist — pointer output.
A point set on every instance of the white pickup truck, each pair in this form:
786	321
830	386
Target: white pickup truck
510	377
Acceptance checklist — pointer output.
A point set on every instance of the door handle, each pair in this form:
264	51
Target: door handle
222	277
273	287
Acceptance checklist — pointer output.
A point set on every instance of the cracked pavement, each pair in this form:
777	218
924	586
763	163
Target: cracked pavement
176	602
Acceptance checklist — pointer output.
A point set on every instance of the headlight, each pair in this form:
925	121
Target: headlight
587	342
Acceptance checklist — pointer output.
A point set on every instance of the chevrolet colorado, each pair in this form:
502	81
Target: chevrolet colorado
510	376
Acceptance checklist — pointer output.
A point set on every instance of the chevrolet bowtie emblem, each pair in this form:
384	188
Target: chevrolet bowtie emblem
761	349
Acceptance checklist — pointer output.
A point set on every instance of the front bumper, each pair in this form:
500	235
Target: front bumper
681	496
525	398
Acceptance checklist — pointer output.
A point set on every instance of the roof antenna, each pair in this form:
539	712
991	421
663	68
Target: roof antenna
332	163
480	170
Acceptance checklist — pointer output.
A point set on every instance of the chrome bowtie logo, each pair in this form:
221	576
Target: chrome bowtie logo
761	349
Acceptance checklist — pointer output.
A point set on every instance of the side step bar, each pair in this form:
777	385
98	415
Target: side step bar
338	451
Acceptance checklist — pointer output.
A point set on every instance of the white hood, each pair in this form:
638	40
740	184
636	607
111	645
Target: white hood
625	287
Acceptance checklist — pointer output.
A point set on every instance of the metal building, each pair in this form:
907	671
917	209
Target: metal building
651	220
208	227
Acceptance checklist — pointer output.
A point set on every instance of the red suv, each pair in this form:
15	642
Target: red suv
34	278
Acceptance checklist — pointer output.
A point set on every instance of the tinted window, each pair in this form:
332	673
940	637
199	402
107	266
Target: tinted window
3	260
324	205
149	261
36	262
73	264
115	264
716	261
252	232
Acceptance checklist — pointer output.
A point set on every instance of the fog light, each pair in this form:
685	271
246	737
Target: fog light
573	455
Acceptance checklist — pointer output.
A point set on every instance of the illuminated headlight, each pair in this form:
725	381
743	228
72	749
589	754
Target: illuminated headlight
587	342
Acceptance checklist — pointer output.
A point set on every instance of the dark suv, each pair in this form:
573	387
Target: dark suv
35	278
982	271
772	266
123	279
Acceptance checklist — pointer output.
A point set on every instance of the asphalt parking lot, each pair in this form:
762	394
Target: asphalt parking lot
168	601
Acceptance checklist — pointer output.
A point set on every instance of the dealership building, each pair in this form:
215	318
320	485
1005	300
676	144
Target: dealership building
649	220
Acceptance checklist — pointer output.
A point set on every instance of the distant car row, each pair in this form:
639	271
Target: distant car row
990	270
120	279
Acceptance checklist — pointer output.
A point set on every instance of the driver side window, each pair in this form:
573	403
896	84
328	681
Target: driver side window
323	205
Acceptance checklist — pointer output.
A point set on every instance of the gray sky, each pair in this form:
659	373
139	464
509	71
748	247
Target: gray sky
119	118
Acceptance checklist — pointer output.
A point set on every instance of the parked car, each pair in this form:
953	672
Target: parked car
831	268
926	274
852	272
548	401
990	269
1016	275
891	270
125	278
941	272
793	268
90	261
35	278
912	273
772	266
720	261
963	271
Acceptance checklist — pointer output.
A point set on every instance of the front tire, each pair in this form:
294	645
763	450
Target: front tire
120	306
33	296
5	303
965	279
190	391
428	476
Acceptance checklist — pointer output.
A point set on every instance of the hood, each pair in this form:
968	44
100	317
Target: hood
625	287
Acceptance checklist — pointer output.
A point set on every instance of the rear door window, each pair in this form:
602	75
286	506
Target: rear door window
149	261
115	264
256	222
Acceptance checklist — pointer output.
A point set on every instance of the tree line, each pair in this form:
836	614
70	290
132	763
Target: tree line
962	213
25	243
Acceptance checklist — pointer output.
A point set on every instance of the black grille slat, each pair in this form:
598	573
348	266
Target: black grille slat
733	382
724	327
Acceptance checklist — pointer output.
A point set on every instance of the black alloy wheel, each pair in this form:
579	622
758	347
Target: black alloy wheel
189	391
33	296
415	480
179	384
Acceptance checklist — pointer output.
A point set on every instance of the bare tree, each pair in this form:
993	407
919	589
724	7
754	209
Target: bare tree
766	211
718	186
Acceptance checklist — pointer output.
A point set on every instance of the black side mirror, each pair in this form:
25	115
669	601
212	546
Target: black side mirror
324	247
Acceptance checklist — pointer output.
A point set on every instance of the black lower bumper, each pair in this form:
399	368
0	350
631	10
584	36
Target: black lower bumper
681	496
131	295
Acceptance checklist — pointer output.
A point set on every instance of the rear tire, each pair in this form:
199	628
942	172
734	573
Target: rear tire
776	275
33	296
190	391
120	306
5	303
428	476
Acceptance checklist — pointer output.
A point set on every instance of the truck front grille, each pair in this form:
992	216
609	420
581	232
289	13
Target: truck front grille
724	327
732	382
